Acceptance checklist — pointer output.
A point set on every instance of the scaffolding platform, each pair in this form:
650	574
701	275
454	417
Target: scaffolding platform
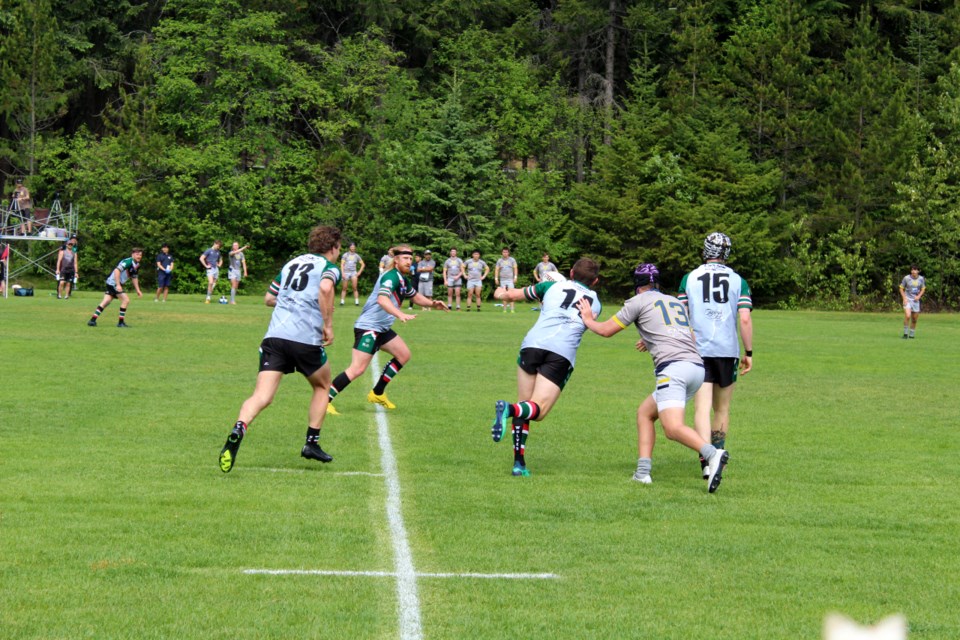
20	227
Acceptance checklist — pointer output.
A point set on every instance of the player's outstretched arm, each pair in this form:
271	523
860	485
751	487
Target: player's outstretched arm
508	295
386	303
424	301
605	329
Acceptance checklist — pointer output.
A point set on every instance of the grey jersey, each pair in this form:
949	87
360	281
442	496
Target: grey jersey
212	256
543	268
912	286
350	261
662	322
297	316
559	328
398	288
508	268
475	268
454	267
425	270
236	261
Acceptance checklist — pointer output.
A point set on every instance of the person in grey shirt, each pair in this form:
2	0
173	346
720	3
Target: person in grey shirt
665	332
237	269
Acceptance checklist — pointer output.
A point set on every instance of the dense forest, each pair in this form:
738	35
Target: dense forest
822	136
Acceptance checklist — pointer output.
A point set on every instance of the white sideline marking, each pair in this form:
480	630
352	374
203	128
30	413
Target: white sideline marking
391	574
406	575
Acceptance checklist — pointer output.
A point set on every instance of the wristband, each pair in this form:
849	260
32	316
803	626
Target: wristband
748	353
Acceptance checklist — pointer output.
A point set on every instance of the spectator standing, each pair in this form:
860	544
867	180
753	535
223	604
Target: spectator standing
351	266
212	261
452	274
237	269
477	269
504	276
543	267
164	272
67	268
425	272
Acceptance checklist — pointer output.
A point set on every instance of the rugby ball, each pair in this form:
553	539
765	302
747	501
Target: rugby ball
554	276
223	300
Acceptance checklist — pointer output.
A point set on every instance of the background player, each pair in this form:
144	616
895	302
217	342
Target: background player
452	272
372	330
351	265
548	352
665	333
212	261
164	272
237	269
912	288
718	300
300	326
67	268
543	268
477	270
504	275
126	270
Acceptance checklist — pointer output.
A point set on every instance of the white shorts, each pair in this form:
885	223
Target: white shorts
235	274
912	305
676	384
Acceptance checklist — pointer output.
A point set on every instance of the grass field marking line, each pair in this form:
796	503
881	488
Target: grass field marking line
494	576
393	574
409	605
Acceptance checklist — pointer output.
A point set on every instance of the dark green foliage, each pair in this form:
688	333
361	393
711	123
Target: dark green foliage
822	137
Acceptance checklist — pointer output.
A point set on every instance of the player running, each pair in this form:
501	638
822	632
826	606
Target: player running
300	327
664	332
548	352
372	330
912	288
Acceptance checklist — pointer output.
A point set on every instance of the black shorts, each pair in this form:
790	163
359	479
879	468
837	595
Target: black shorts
548	364
287	356
721	371
112	291
369	341
163	279
68	274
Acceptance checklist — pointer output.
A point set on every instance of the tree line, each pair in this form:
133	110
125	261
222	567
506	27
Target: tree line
822	136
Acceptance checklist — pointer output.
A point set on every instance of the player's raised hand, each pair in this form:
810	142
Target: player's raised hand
586	311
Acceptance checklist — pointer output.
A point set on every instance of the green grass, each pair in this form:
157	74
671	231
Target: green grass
115	521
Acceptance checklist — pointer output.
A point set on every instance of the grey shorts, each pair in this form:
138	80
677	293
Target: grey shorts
454	283
913	306
425	287
213	272
506	284
677	382
474	284
235	274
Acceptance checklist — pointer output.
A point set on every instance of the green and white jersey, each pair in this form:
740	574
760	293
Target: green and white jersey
560	327
350	260
475	268
662	322
297	316
128	269
508	268
912	286
714	293
391	283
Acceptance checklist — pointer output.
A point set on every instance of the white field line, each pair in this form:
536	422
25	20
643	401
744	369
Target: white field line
406	575
391	574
